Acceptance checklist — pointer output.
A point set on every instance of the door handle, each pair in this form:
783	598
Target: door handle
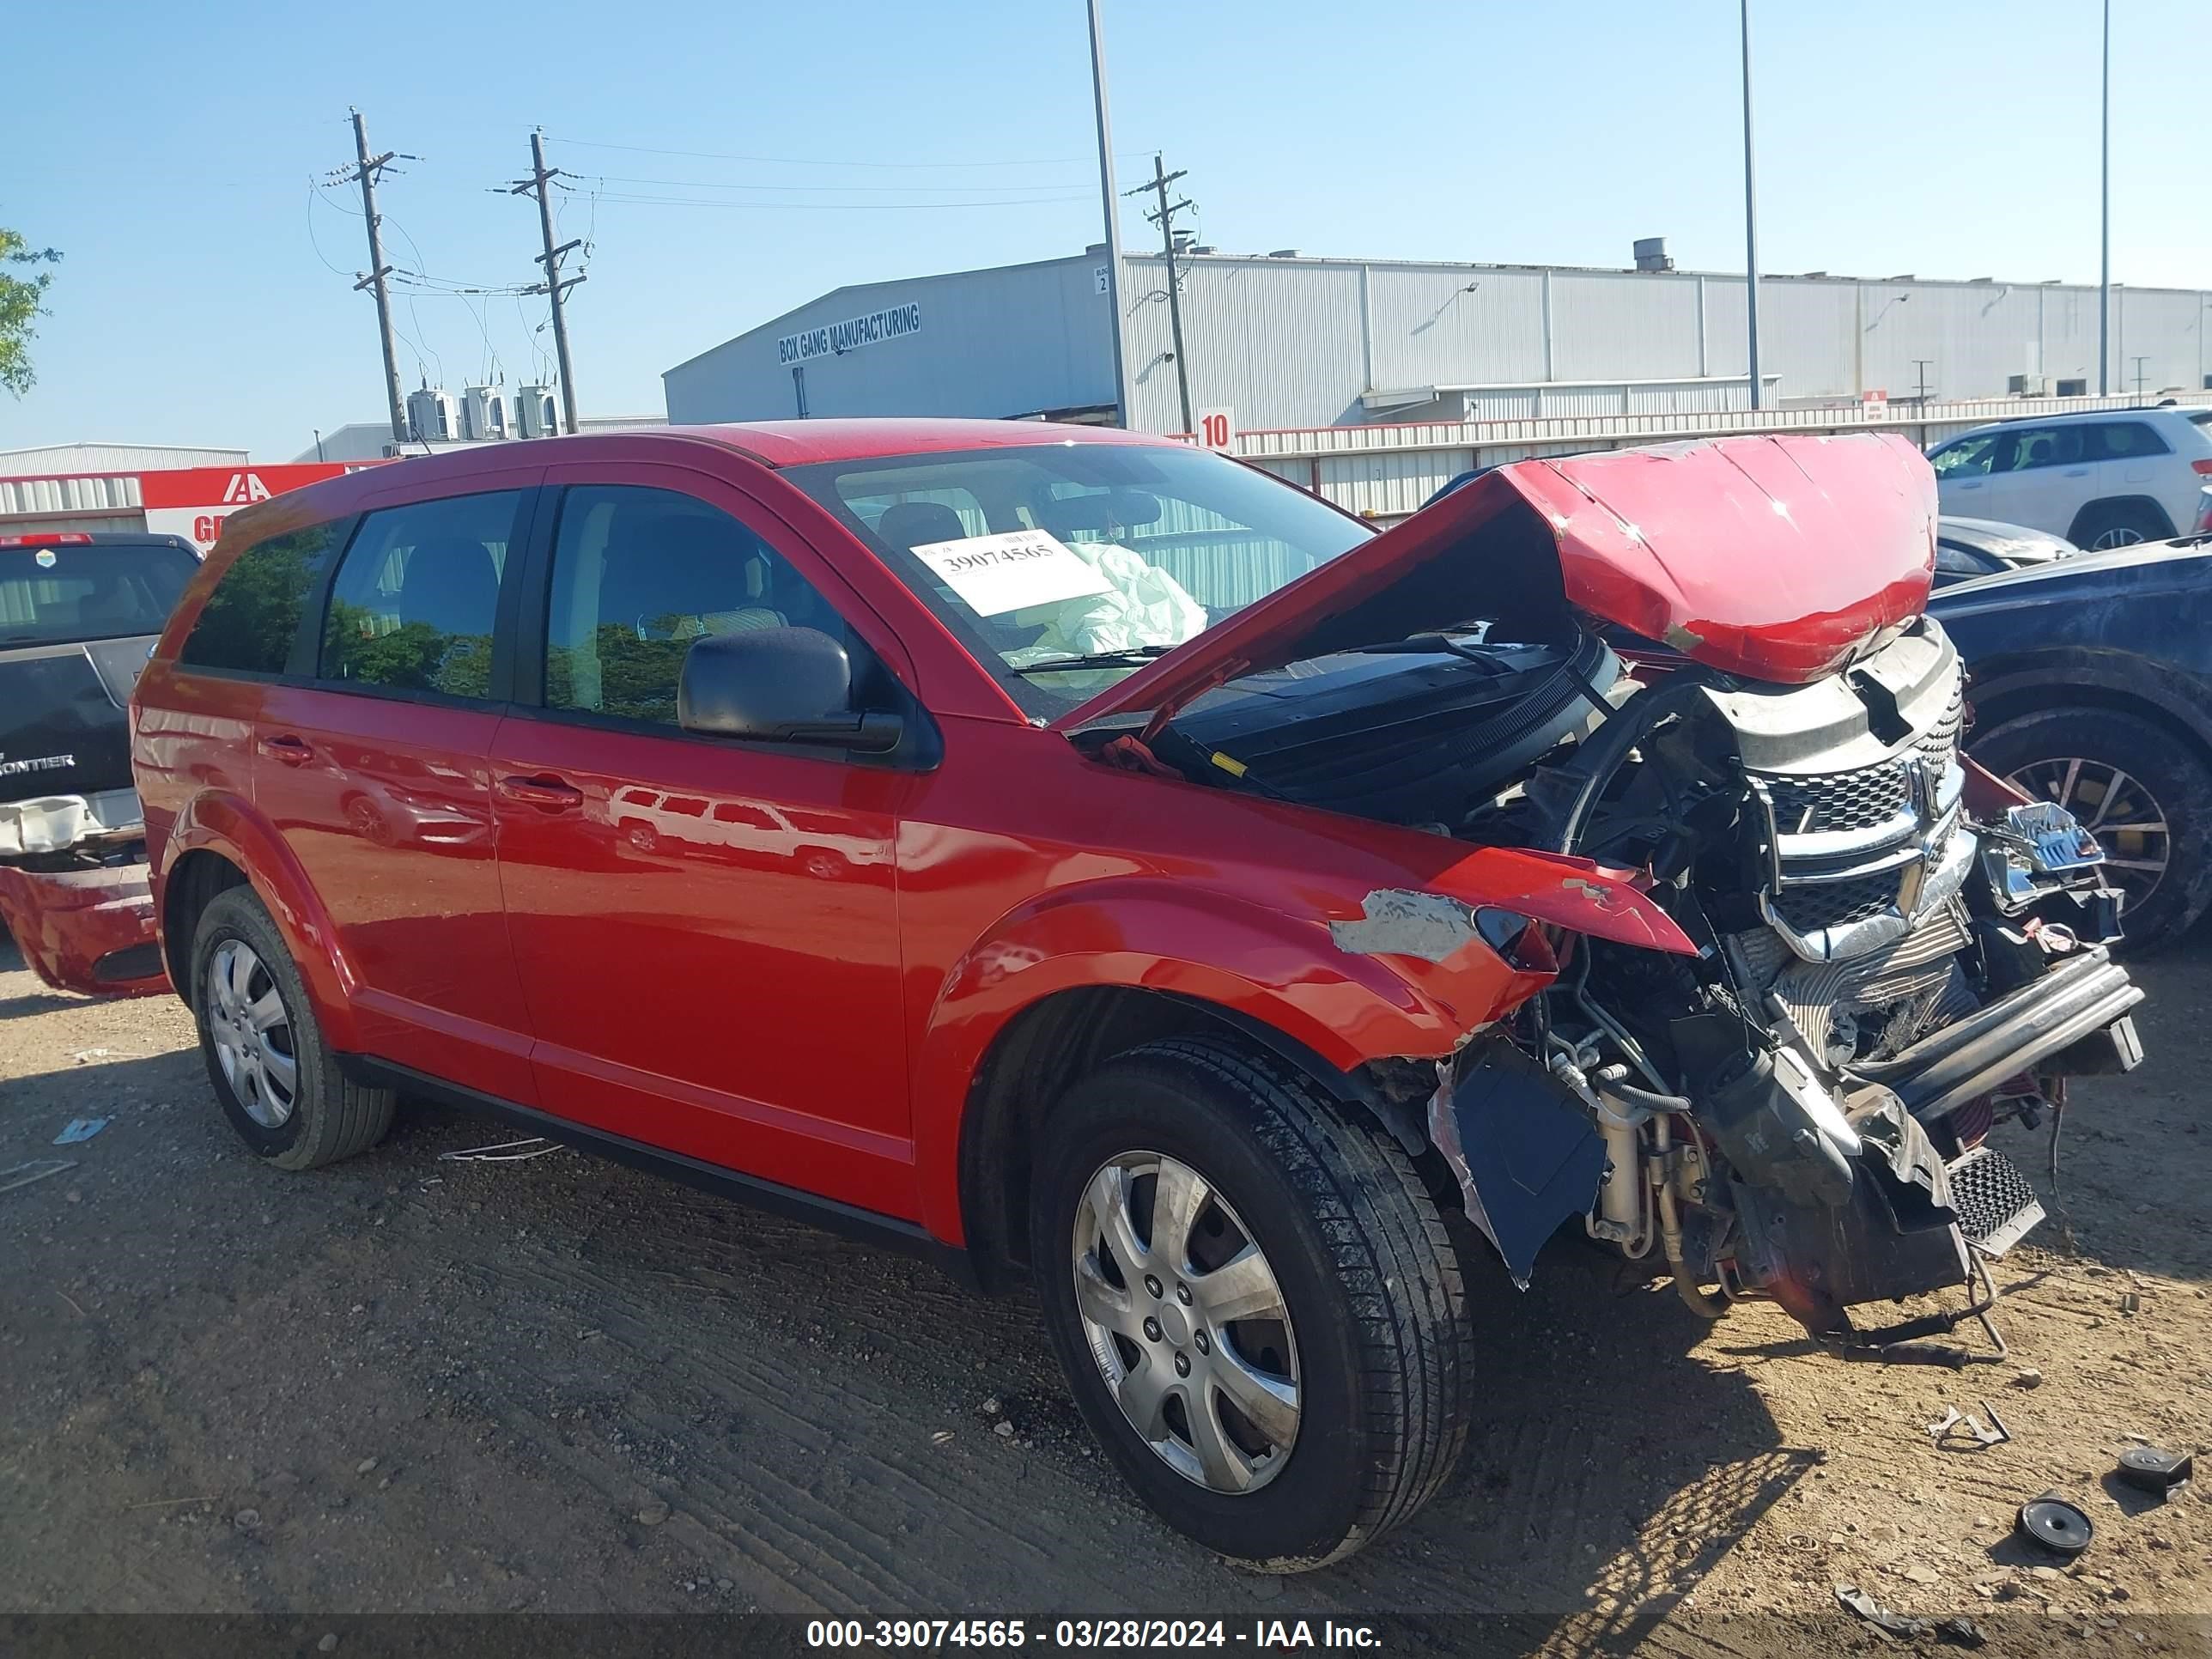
542	789
293	751
2078	471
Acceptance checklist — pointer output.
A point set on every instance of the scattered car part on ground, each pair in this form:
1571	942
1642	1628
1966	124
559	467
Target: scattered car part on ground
1954	1628
88	929
1964	1424
22	1174
2150	1469
2056	1523
1594	844
502	1152
2102	480
78	1129
2091	689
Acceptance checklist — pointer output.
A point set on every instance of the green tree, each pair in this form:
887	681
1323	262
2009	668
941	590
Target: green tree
20	298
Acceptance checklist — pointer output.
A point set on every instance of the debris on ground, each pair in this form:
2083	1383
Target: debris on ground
652	1514
1954	1628
1003	1429
37	1170
2058	1526
1954	1423
80	1128
504	1152
2153	1470
2028	1378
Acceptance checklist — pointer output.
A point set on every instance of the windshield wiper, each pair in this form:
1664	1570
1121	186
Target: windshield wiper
1135	653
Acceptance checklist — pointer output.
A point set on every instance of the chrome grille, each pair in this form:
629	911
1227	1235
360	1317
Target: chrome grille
1836	904
1827	802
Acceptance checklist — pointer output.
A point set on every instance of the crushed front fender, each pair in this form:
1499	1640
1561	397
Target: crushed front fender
91	931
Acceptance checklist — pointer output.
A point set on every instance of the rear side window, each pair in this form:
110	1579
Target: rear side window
250	621
2123	438
416	596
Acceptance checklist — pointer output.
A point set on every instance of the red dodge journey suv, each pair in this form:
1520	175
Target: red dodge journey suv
1086	859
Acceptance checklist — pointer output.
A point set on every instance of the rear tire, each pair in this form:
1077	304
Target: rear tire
275	1077
1374	1339
2160	778
2103	526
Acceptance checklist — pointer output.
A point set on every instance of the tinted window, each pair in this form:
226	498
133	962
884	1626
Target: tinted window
2123	438
1969	457
2040	446
413	606
59	595
639	574
253	617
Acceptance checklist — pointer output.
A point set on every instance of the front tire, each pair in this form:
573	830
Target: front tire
277	1080
1255	1299
2143	790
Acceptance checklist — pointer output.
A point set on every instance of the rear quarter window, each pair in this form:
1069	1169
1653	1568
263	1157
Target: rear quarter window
251	620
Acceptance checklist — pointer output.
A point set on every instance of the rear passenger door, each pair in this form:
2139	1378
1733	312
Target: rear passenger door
373	768
707	930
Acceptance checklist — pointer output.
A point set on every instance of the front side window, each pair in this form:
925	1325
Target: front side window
60	593
250	621
417	595
1063	567
1969	457
638	574
2039	446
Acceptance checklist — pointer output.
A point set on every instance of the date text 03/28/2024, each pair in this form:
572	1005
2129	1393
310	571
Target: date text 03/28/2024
1262	1635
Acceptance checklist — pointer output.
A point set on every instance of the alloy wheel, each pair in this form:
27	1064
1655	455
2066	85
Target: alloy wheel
252	1031
2115	806
2119	535
1186	1322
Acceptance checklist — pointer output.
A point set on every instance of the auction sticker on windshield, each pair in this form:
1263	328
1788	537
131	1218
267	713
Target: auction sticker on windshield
1013	570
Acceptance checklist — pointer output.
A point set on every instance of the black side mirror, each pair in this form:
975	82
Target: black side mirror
779	685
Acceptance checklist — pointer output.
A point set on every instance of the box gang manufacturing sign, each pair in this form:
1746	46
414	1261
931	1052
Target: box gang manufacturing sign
834	339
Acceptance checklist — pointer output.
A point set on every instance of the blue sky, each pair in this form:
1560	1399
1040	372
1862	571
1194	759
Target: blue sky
168	150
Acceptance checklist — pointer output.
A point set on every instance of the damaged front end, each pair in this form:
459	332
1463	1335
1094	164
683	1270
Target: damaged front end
1705	670
1894	954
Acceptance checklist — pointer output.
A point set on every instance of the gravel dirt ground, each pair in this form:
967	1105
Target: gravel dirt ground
406	1384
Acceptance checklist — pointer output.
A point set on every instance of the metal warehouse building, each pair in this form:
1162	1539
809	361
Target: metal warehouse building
1283	340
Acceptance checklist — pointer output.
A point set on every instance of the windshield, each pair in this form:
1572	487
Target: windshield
1064	568
59	595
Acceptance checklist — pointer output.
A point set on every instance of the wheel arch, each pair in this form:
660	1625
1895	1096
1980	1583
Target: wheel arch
218	842
2008	691
1048	1045
2110	506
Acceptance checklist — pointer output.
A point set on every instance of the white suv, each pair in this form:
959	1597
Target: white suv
2099	480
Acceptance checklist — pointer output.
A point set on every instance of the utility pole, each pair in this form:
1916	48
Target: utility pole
2140	362
1112	206
2104	276
1750	222
1165	218
540	184
367	169
1920	367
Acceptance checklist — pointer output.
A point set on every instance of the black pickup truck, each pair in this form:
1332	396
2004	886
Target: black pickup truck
78	613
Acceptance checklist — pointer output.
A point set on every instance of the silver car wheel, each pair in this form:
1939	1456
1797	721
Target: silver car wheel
252	1031
2115	807
1186	1322
2118	536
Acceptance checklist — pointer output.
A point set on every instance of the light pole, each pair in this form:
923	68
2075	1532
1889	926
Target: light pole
2105	278
1107	197
1751	220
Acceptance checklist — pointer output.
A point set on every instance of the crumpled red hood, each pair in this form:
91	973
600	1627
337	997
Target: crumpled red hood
1775	558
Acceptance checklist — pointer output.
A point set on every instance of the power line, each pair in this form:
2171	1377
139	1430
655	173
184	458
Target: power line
555	287
1163	216
366	171
798	190
818	162
631	200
